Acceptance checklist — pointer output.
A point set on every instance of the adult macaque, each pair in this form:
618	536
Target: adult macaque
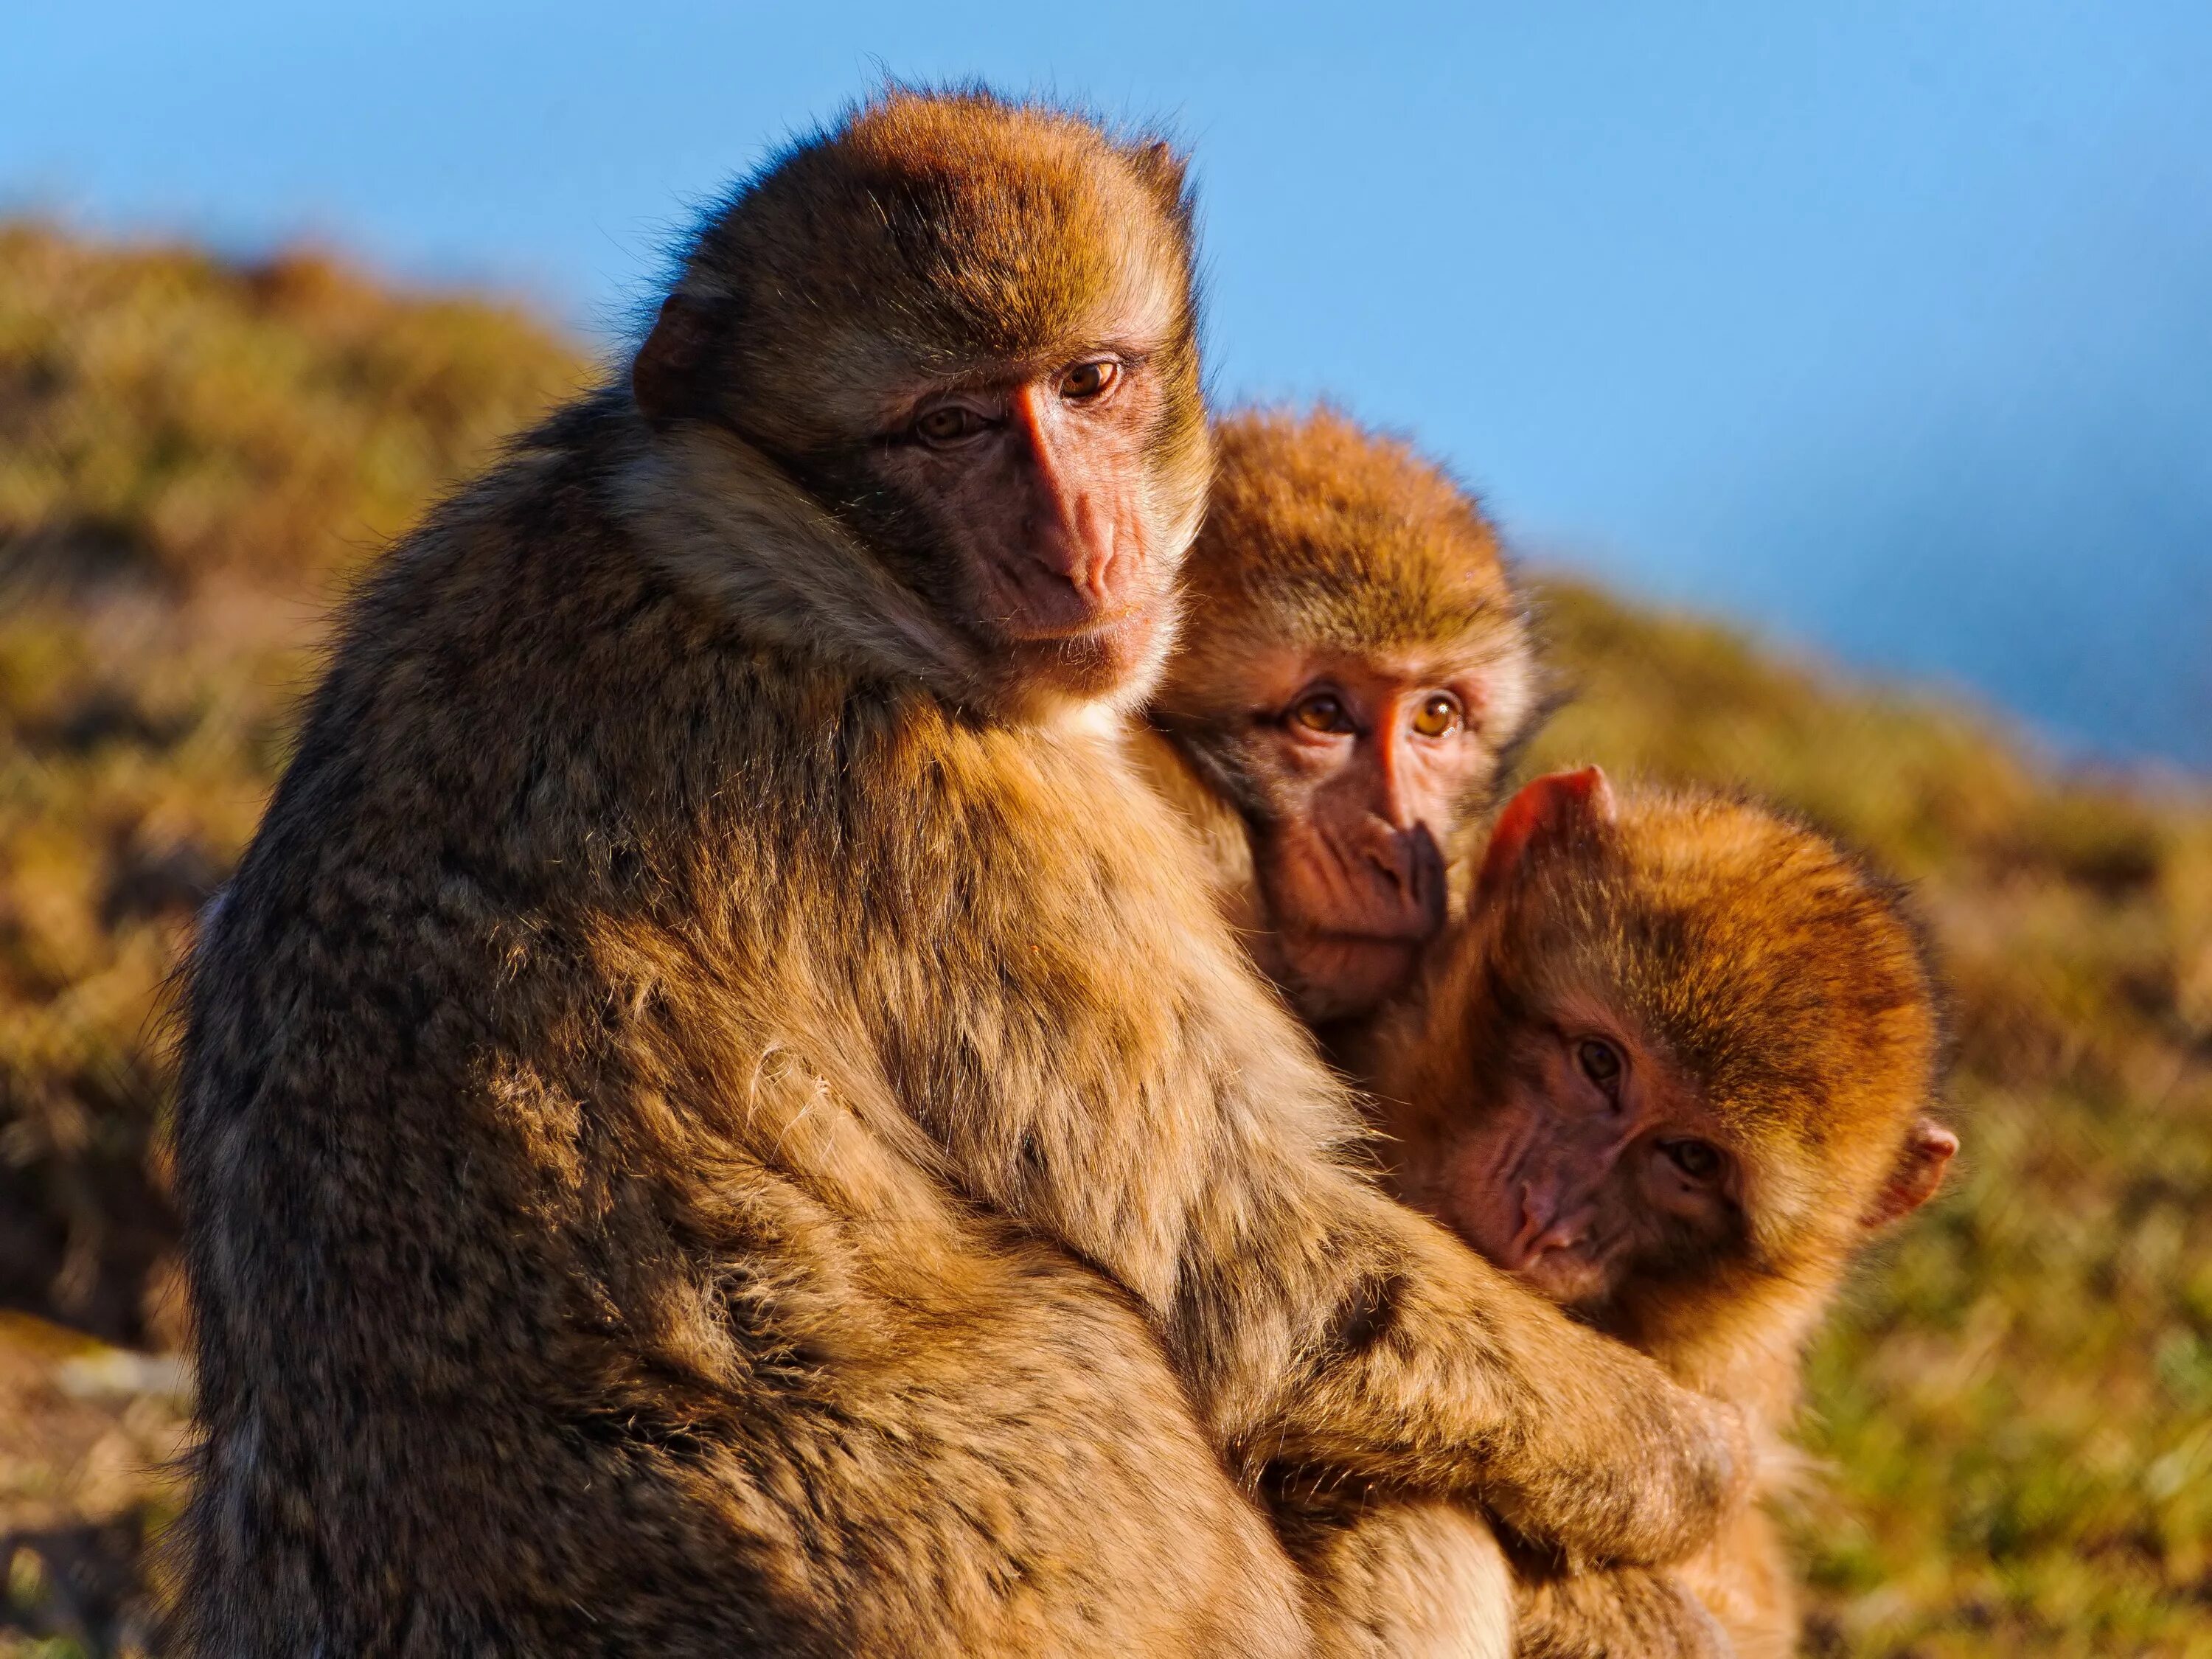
720	1117
1671	1073
1354	673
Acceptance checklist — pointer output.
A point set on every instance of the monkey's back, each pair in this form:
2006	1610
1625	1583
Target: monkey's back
572	1273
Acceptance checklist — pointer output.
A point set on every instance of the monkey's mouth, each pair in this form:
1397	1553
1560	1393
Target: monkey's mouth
1089	659
1400	934
1020	632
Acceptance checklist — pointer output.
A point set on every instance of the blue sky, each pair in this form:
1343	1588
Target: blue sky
1886	324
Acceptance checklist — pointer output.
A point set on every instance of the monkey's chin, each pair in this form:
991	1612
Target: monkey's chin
1116	660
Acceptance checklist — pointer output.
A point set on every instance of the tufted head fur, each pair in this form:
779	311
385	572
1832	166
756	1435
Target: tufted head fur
928	233
1323	534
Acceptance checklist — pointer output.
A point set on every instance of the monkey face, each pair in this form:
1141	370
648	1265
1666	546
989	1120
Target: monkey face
1354	668
1360	771
1592	1160
1030	489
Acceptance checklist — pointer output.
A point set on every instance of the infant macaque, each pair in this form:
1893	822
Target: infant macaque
1672	1072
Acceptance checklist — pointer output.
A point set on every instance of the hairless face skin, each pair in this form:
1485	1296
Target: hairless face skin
1014	488
1598	1154
1365	767
1038	481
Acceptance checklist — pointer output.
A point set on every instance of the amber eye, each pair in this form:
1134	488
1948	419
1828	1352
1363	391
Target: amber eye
1693	1158
1321	712
1439	715
945	425
1600	1063
1088	381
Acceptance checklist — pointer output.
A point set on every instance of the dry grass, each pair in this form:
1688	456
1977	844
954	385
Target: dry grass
2015	1404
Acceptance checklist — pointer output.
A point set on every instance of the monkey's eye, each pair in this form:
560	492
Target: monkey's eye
1088	381
1324	711
1439	715
1694	1159
1600	1063
948	423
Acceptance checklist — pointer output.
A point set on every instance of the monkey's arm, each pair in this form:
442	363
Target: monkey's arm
1409	1360
1117	1077
1620	1613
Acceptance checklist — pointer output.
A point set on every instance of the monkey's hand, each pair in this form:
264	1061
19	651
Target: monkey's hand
1616	1462
1622	1613
1442	1375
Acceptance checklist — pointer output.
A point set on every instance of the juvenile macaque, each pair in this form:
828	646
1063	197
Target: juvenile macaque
1354	672
1671	1073
720	1117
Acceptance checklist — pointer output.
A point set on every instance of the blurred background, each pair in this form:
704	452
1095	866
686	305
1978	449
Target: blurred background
1887	325
1842	375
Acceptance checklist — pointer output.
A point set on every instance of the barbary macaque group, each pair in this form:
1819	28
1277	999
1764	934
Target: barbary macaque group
760	1087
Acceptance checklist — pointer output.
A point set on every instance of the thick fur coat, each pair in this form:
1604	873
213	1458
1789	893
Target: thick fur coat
710	1125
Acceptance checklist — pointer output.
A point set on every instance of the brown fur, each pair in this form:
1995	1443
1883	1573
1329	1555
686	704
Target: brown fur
1785	984
717	1120
1391	1577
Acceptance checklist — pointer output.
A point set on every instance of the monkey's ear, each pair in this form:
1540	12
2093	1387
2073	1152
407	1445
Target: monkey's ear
1928	1150
669	377
1162	172
1546	807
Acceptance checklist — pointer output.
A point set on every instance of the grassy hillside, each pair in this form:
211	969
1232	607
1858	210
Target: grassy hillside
2014	1408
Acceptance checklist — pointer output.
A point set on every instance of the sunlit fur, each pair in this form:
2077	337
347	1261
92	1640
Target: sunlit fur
1786	985
712	1124
1320	531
